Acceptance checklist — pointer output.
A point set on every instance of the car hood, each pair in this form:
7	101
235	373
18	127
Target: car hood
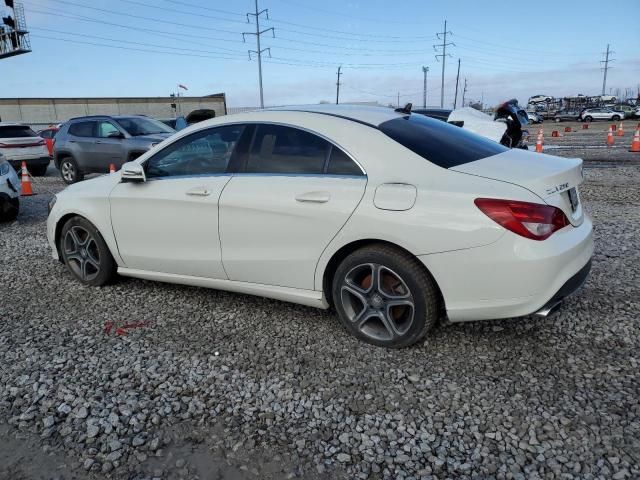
98	186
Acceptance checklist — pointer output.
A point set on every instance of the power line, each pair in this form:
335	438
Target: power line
443	45
258	33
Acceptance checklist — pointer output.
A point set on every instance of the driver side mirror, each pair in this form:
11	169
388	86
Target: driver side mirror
115	135
132	172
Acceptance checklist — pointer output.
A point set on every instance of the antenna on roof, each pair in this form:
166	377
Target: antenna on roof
405	109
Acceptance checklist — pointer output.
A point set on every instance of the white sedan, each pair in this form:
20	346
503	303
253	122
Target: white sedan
393	218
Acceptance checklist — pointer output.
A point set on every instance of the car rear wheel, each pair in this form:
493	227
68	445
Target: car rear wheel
69	170
615	118
9	209
85	253
39	170
385	297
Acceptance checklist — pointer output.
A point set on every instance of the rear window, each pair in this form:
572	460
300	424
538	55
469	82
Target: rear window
16	131
438	142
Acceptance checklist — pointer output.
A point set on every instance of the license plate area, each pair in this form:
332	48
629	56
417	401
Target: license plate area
573	199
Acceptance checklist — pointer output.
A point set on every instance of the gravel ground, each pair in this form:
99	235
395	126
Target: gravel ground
217	385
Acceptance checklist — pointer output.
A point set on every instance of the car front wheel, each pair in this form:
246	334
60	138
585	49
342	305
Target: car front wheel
615	118
85	253
385	297
69	170
9	209
588	119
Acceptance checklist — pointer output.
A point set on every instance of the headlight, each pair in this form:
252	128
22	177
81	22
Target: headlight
4	168
52	202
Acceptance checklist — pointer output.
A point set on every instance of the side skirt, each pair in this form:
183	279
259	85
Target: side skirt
310	298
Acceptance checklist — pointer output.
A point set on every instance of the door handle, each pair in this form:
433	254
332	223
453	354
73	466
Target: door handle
98	141
199	192
314	197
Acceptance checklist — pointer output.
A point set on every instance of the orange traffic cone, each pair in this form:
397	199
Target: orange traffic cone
621	130
585	126
635	144
555	133
539	143
610	136
567	129
26	181
112	168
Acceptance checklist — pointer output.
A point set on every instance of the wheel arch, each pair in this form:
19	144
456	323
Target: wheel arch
72	214
344	251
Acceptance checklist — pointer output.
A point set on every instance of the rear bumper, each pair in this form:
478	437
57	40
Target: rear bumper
31	162
571	286
514	276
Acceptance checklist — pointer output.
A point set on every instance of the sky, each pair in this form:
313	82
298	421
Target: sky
507	49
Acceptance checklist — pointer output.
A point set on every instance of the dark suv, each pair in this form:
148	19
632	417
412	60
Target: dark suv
90	144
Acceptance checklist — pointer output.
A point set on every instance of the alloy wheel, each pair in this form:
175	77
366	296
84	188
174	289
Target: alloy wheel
68	171
377	301
82	253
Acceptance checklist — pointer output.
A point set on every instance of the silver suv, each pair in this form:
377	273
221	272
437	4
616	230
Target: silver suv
90	144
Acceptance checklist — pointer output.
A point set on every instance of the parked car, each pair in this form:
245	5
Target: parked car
19	143
601	113
9	191
534	117
627	110
540	98
48	134
394	218
439	113
566	115
90	144
176	123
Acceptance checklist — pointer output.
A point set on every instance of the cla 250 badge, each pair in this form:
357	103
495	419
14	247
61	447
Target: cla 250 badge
557	188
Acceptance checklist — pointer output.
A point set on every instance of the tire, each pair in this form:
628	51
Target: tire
39	171
9	209
69	171
85	253
588	119
369	313
557	120
616	118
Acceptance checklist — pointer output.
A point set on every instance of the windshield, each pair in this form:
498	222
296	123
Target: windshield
136	126
438	142
16	131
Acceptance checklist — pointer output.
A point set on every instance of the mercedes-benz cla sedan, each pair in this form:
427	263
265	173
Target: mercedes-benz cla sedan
394	219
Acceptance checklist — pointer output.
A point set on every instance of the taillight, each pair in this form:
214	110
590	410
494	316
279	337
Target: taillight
530	220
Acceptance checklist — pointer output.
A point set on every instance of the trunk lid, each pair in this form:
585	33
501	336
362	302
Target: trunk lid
554	179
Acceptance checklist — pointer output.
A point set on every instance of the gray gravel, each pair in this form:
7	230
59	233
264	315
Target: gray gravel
218	385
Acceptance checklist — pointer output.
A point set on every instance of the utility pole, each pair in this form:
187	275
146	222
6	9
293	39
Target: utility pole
464	92
424	88
398	99
455	99
259	51
444	46
606	67
338	86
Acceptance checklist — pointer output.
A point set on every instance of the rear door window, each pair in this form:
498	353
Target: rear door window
438	142
286	150
82	129
341	164
16	131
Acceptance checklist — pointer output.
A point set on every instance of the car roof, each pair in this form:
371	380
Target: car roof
366	114
97	117
13	124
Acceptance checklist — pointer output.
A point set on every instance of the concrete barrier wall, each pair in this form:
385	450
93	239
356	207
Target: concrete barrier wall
57	110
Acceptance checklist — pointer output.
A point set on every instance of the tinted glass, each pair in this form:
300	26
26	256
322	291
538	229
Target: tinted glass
16	131
137	126
45	134
106	128
341	164
278	149
81	129
442	144
203	153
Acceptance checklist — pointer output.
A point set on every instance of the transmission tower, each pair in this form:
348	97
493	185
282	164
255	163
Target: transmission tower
258	33
14	36
444	55
606	67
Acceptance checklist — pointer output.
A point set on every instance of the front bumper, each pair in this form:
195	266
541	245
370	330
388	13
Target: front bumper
511	277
